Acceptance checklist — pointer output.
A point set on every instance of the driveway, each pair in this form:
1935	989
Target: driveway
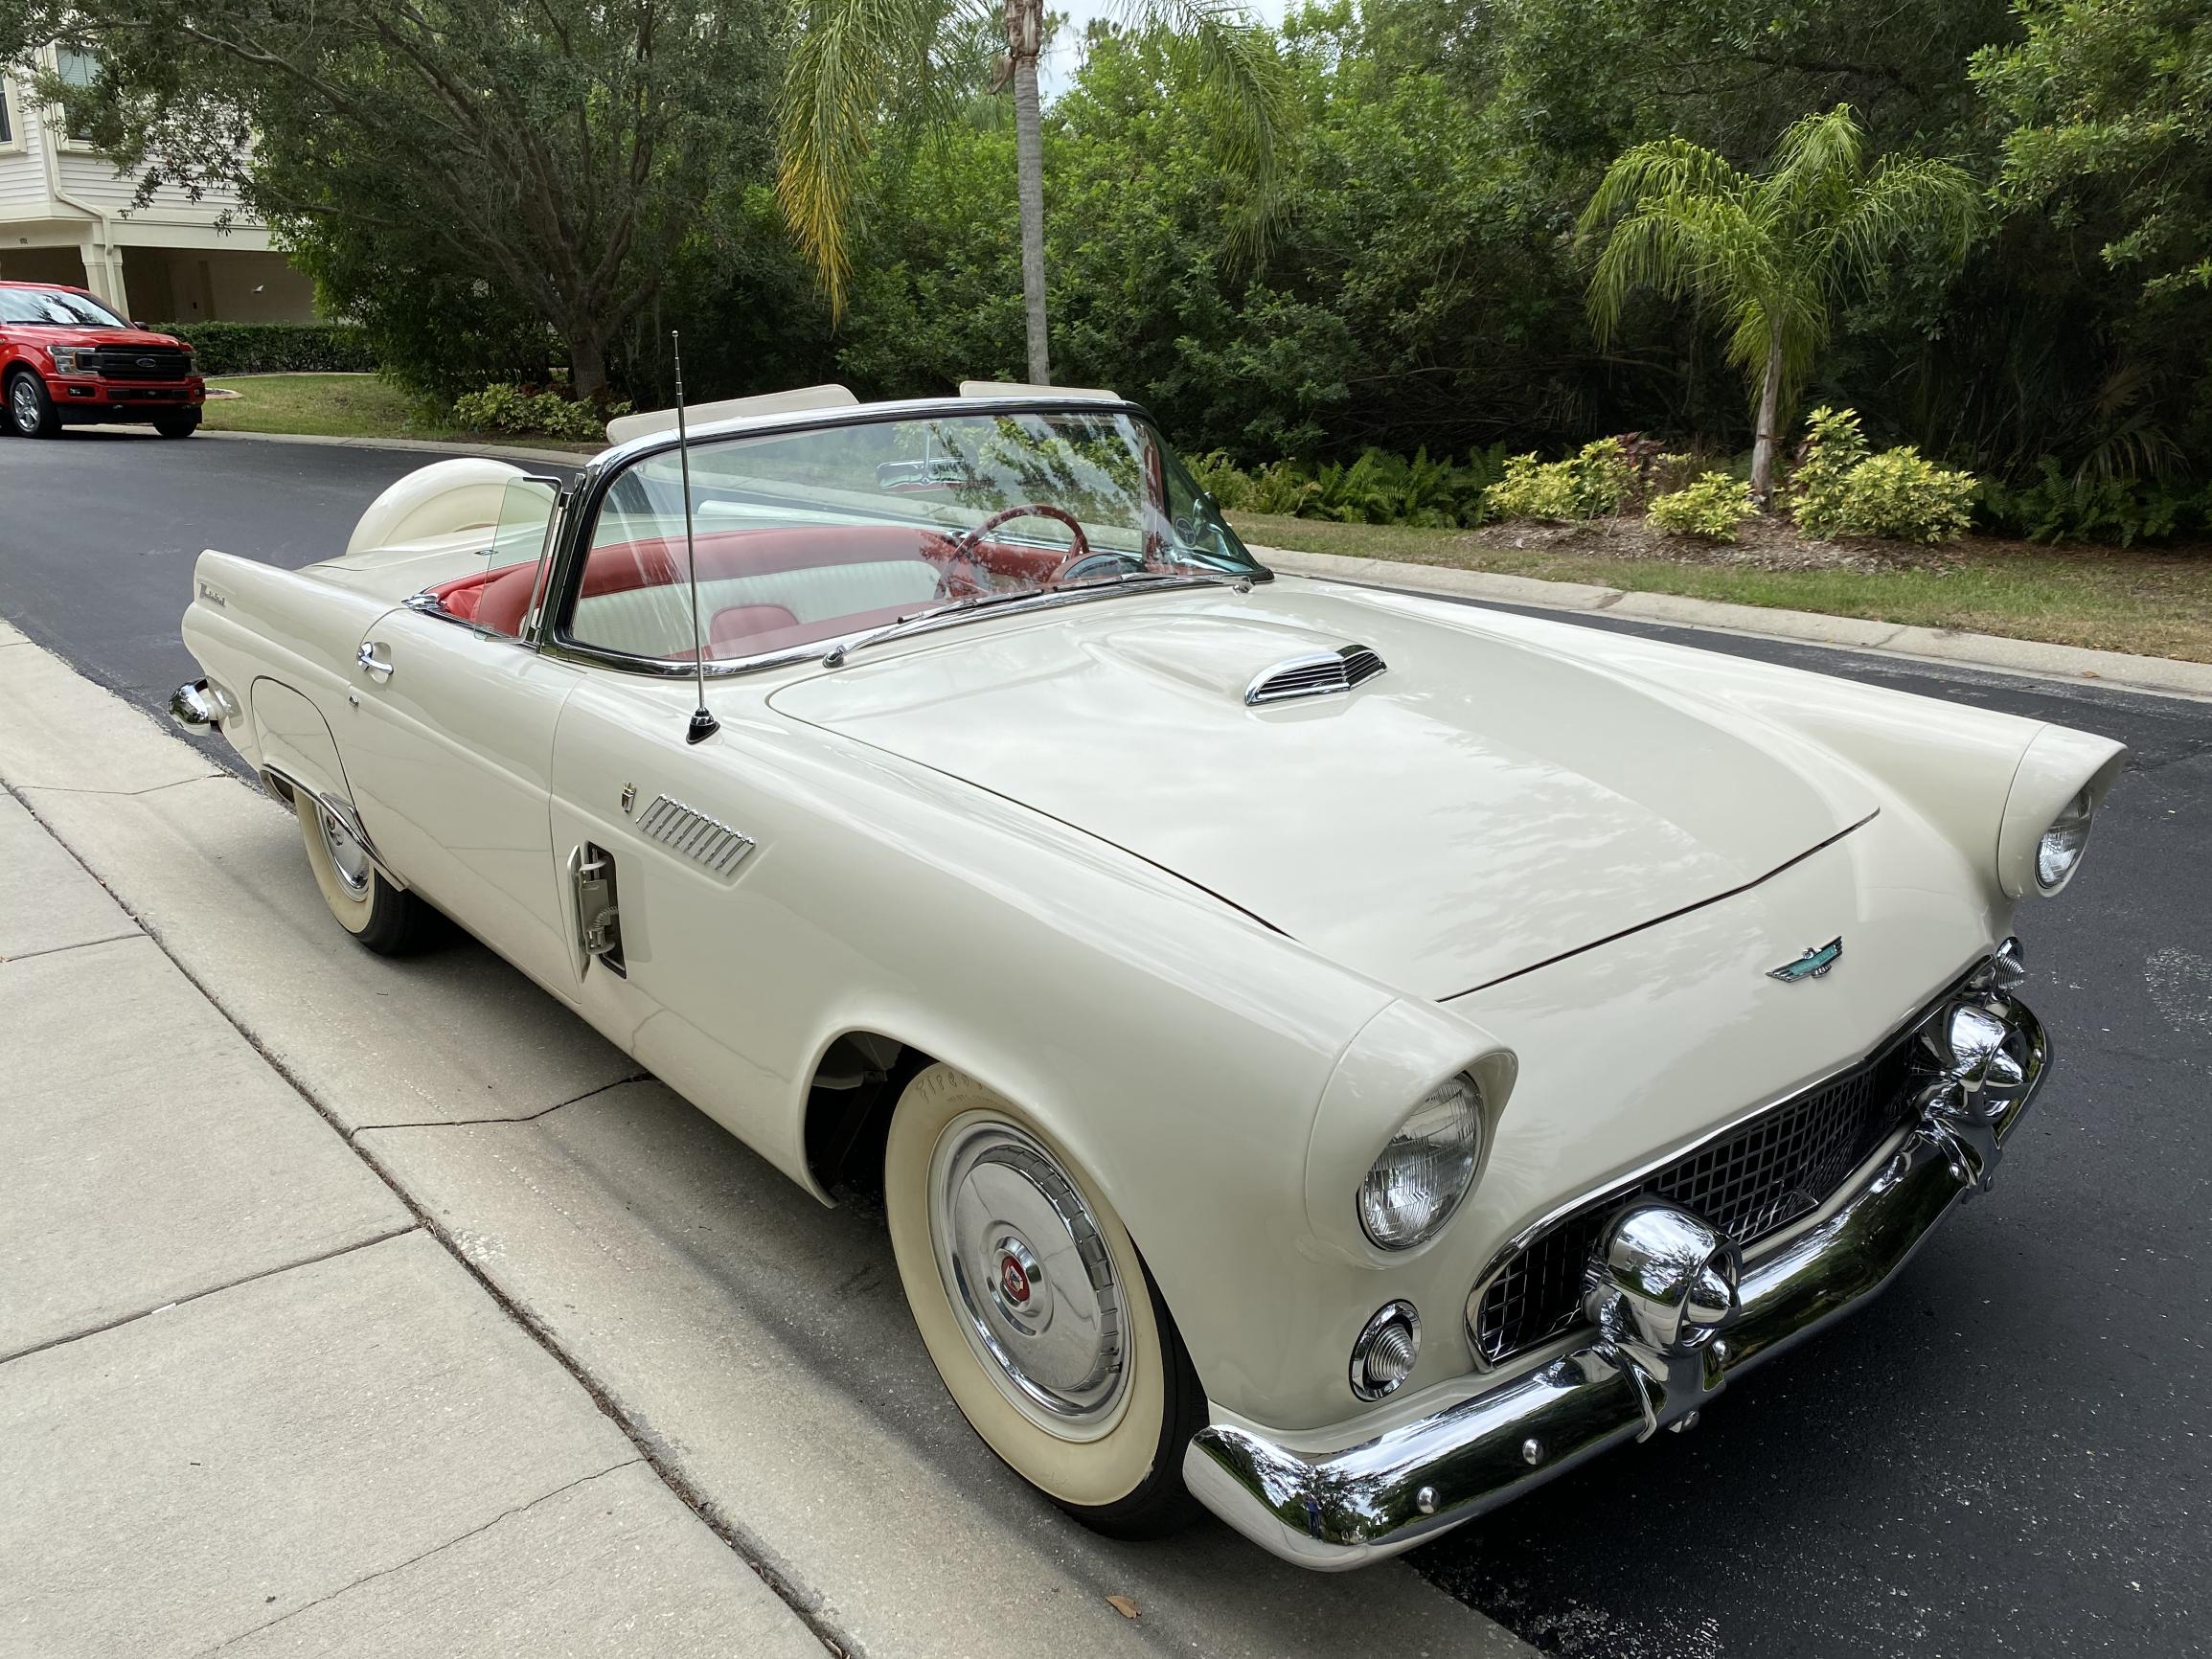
2005	1454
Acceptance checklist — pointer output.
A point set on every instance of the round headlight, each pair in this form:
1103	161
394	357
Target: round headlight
1426	1168
2061	848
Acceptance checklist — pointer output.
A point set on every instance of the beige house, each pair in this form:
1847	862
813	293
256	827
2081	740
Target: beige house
66	215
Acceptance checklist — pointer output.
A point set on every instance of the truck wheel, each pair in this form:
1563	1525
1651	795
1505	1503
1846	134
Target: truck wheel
1036	1309
182	425
382	918
30	411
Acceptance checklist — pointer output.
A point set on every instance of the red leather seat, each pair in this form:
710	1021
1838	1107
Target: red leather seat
504	600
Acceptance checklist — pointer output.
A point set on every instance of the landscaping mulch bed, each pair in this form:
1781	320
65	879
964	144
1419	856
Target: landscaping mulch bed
1763	543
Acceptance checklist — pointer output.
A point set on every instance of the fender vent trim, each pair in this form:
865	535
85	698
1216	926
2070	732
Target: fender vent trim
707	841
1314	674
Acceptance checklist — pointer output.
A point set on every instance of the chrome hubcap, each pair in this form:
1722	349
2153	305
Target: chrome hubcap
348	856
25	399
1030	1277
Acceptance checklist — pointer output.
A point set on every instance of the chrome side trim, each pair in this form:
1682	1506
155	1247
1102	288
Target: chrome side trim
707	841
1482	1443
1485	1443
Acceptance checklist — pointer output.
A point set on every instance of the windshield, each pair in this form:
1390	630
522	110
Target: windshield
803	536
56	308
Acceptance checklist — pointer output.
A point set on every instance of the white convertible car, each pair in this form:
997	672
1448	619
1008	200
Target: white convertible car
1335	1057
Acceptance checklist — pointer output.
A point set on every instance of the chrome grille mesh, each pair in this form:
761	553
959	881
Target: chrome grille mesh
706	841
1781	1165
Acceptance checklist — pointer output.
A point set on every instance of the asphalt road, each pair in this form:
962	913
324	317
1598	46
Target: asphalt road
2007	1454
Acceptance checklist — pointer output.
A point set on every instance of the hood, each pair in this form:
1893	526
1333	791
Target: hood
1482	804
39	333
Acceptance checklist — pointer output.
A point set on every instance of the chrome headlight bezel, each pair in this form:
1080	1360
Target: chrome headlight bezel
1438	1145
74	359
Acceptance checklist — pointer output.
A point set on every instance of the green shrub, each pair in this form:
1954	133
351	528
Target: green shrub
1711	507
275	348
1898	494
1834	445
1590	485
518	409
1903	497
1377	488
2057	508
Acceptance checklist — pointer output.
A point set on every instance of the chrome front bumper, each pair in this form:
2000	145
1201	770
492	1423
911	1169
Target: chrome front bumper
1344	1508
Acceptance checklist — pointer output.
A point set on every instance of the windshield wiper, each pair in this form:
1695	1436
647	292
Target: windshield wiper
915	620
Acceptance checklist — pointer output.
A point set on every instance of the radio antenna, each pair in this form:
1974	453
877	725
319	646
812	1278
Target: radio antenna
703	724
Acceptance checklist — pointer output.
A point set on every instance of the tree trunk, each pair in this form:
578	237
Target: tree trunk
1024	36
1770	412
586	366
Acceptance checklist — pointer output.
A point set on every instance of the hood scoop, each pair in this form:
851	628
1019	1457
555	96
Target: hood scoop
1314	674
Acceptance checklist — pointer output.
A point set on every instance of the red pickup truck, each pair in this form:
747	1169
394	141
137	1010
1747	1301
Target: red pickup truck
66	359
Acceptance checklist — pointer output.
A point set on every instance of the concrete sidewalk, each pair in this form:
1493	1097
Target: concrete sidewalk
249	1402
455	1285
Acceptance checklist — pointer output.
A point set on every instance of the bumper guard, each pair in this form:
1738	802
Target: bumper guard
1676	1316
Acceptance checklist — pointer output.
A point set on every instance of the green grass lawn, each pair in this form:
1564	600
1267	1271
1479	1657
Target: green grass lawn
340	406
2152	601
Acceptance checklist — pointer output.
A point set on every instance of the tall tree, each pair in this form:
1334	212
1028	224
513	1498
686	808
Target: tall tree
1774	252
2105	107
556	156
859	60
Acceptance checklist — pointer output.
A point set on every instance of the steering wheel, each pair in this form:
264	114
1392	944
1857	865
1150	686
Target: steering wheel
964	544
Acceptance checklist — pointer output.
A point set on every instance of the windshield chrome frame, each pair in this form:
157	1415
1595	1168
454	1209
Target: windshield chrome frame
574	528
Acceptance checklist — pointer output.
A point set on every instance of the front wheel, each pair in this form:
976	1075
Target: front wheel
30	410
384	918
182	425
1036	1309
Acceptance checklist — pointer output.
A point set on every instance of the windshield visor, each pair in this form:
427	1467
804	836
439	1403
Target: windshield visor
805	537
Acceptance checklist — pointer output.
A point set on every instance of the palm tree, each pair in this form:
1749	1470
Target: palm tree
853	57
1774	252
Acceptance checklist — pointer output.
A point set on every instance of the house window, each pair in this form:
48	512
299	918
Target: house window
6	113
76	69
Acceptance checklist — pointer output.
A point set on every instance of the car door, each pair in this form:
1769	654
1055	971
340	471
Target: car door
449	756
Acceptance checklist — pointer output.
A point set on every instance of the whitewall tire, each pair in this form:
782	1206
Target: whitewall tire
384	918
1036	1309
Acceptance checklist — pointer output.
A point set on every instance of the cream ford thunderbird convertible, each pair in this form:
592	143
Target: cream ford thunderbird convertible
1333	1058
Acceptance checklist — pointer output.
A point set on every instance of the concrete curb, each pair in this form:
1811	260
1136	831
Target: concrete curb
2164	676
419	445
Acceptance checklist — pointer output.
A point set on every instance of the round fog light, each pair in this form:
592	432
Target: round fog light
1383	1356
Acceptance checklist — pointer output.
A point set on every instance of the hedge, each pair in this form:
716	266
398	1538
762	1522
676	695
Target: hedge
274	347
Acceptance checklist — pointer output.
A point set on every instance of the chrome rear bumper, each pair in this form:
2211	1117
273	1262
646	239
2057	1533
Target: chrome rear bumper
198	706
1333	1509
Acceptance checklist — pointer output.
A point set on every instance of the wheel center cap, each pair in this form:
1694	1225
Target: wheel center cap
1017	1284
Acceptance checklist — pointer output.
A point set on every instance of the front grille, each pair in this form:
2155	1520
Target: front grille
144	363
1760	1177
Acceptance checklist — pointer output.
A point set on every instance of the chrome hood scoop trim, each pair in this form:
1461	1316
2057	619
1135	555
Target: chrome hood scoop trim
1488	805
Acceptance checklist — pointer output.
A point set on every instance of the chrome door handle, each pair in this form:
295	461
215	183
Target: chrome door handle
372	660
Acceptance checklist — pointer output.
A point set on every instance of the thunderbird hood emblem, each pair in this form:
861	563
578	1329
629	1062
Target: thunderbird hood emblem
1817	960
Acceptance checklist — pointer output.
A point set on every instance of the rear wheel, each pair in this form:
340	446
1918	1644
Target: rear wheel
384	918
1036	1309
30	410
178	425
